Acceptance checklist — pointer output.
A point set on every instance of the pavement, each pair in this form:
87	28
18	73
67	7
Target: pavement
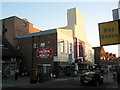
24	81
11	82
109	82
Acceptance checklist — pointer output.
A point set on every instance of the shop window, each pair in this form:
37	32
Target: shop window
44	69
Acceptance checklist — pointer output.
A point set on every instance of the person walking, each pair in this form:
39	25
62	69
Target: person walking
114	75
96	78
118	78
16	74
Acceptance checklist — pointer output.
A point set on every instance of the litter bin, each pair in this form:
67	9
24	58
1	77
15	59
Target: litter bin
33	76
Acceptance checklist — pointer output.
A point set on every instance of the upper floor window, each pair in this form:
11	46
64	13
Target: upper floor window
66	46
24	24
101	58
61	46
35	45
42	44
70	48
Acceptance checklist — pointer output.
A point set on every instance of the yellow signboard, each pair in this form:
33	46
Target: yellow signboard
109	33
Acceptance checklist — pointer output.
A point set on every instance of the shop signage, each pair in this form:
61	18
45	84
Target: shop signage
44	53
109	33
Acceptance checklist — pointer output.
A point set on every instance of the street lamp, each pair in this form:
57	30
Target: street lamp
33	77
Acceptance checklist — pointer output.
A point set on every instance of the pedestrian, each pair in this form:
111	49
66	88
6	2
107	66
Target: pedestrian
114	75
16	74
54	74
118	77
24	72
96	78
102	71
4	75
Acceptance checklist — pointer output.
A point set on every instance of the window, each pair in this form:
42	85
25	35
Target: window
104	58
42	44
1	45
61	46
101	58
66	46
70	48
34	45
24	24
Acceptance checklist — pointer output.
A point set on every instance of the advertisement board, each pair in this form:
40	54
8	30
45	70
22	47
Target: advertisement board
44	53
109	33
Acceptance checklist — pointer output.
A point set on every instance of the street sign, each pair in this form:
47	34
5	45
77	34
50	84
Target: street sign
109	33
44	53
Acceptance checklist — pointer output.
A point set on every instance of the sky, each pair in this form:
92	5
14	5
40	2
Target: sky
49	15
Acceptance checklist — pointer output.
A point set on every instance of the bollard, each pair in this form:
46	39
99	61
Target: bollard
33	76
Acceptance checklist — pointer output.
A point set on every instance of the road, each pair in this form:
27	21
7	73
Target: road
72	83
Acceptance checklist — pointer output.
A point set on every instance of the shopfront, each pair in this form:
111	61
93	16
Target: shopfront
44	72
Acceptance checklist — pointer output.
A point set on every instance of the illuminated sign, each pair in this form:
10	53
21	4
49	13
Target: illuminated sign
44	53
109	33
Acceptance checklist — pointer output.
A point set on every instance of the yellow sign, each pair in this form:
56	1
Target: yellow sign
109	33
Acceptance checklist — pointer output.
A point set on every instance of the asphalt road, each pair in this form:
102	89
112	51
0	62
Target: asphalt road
72	83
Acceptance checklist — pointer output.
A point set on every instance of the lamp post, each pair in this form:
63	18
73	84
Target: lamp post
33	77
32	50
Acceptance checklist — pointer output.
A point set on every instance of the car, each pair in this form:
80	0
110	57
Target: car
88	78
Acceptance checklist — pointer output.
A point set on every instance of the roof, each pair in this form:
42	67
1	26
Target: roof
38	33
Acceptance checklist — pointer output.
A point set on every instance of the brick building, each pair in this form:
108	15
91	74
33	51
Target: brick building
64	44
13	27
48	50
103	58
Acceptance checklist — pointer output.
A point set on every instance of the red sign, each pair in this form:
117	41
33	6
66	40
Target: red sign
44	53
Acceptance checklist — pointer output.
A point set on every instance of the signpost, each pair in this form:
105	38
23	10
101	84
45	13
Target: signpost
109	33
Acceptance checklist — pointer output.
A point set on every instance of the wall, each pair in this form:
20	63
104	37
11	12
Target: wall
16	27
9	25
76	23
25	44
89	52
25	50
65	35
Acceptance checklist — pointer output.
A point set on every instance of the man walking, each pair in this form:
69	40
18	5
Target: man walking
16	74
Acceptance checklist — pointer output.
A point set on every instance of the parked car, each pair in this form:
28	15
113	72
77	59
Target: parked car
89	78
